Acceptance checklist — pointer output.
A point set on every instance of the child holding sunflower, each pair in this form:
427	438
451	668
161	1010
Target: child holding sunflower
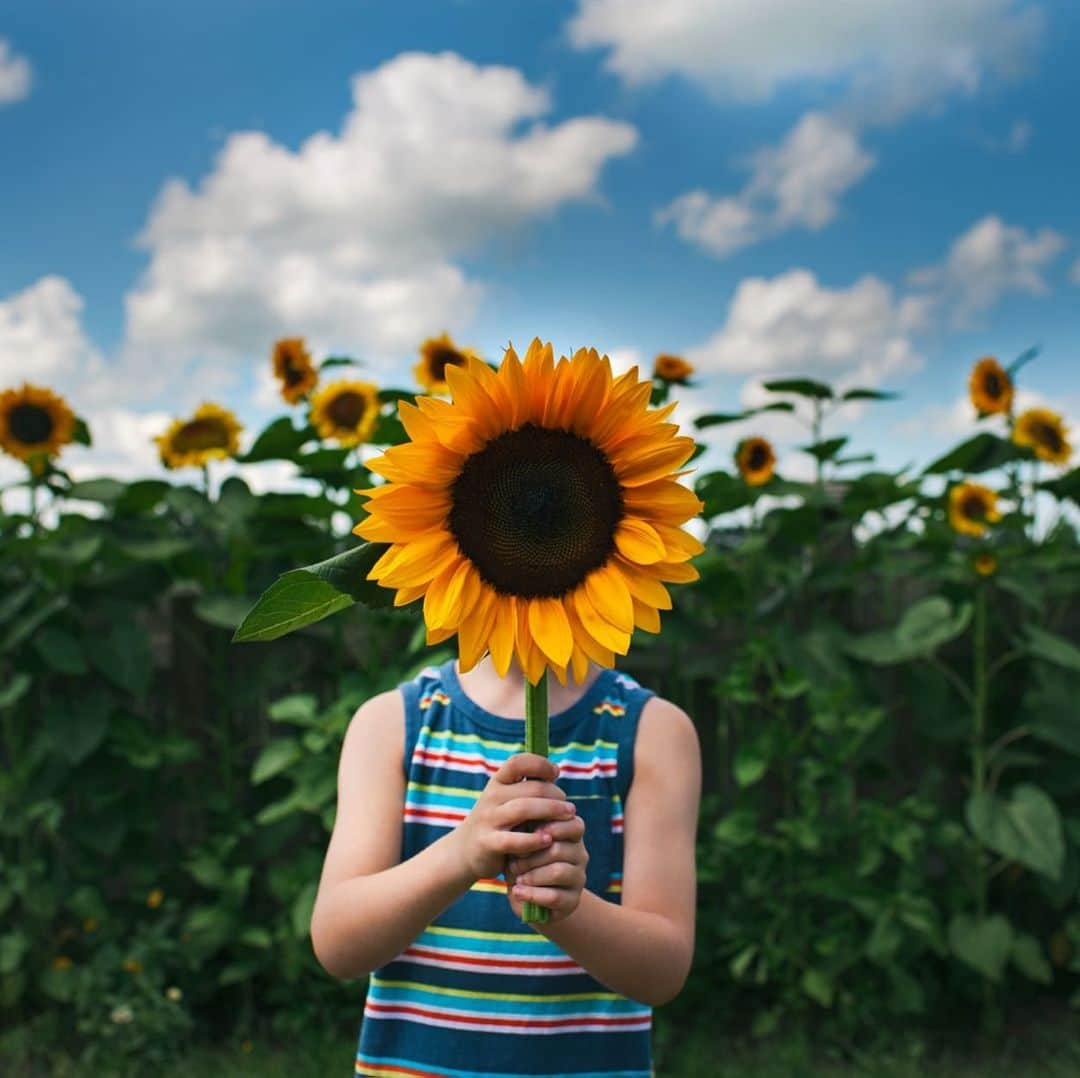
537	516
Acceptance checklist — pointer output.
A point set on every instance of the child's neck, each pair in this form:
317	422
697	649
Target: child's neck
505	696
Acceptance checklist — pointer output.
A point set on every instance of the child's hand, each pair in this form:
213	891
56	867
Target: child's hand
554	877
487	834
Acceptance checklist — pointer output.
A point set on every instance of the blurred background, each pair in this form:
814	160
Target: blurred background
844	237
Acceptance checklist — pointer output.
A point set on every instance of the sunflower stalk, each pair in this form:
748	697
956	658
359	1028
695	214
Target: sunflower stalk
536	741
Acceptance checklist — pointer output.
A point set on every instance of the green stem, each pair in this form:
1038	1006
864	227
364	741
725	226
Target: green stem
978	746
536	741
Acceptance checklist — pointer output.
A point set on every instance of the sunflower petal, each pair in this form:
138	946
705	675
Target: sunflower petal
443	599
639	541
645	588
550	629
501	643
475	630
634	471
602	631
674	572
646	617
579	663
409	595
610	597
665	498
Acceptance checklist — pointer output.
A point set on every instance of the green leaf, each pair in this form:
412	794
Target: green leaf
59	650
750	764
254	936
825	450
161	549
389	430
1022	360
324	462
387	396
81	432
124	656
1052	648
298	709
722	493
340	361
1025	828
142	496
1065	486
15	689
301	910
32	621
1050	701
75	551
1029	959
804	387
715	419
924	627
981	453
984	945
225	611
13	945
276	757
869	395
279	441
77	725
818	987
103	490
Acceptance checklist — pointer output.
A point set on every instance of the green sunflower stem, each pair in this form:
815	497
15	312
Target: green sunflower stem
536	741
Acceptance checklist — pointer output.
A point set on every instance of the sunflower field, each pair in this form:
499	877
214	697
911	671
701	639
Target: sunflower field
883	669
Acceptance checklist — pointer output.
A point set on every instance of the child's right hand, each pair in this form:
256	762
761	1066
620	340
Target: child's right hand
487	834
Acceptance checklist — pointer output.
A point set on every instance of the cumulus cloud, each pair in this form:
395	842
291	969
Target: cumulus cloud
15	74
351	239
796	183
988	261
894	56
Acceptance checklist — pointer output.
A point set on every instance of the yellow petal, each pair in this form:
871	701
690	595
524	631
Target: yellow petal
424	463
420	565
645	588
610	597
633	471
588	402
579	663
599	654
663	498
442	602
681	545
646	617
638	541
602	631
409	595
475	630
674	572
417	425
550	629
437	636
512	376
501	644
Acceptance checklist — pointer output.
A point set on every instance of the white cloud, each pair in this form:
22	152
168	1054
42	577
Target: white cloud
795	183
350	240
15	74
41	335
988	261
894	55
959	418
1074	273
1015	141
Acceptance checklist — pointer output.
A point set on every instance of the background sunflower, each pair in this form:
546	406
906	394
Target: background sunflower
212	433
293	368
346	411
670	368
972	507
436	354
990	387
1044	432
756	460
34	420
538	514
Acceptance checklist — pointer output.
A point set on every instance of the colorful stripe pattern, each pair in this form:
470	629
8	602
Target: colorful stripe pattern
478	992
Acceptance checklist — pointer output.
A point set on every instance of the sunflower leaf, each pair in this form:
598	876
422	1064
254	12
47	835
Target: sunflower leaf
81	432
978	454
96	490
1065	486
1022	360
869	395
804	387
825	450
985	944
394	395
340	361
278	441
1026	828
714	419
1052	648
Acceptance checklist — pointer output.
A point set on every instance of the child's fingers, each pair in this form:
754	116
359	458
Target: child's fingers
527	765
523	809
553	898
572	830
555	874
571	852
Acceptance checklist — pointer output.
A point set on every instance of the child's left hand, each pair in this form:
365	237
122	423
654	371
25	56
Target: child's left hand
554	877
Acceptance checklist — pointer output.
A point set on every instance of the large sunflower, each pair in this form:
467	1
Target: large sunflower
436	354
34	420
538	514
1044	431
211	433
756	461
293	368
972	507
990	387
670	368
347	411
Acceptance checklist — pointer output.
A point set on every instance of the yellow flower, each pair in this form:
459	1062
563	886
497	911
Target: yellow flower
1044	431
436	354
538	514
211	433
985	564
672	368
756	461
61	961
971	507
174	993
132	965
90	924
990	387
347	411
34	420
293	368
155	898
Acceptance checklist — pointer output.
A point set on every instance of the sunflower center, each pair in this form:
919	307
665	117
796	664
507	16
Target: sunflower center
347	409
293	375
30	423
973	507
201	434
535	511
757	458
441	358
1048	436
992	384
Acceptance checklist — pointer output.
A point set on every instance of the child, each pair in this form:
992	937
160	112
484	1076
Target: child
428	866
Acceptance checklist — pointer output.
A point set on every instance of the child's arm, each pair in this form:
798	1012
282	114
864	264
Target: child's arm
643	948
370	906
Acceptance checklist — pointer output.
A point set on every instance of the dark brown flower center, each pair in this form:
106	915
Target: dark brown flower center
974	506
293	375
535	511
441	358
347	409
1048	436
993	385
757	457
205	433
30	423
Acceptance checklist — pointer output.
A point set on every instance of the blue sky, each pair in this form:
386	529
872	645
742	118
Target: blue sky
873	194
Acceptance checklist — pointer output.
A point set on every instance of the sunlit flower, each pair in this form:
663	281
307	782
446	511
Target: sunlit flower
538	515
990	387
436	354
346	411
212	433
1044	432
756	461
672	368
34	420
61	961
294	369
122	1014
155	898
132	965
174	993
972	507
985	564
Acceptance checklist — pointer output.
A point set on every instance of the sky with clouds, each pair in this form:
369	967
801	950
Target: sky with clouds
875	194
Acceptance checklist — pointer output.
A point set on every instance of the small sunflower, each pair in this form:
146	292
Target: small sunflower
62	961
1044	431
293	367
985	564
538	515
34	420
971	508
347	411
672	369
436	354
155	898
990	387
212	433
756	461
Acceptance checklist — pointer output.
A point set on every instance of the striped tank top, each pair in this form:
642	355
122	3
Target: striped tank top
479	994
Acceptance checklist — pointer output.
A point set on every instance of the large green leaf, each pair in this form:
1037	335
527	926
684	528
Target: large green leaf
984	945
1050	708
60	650
123	655
304	596
1027	955
104	490
1025	828
279	441
804	387
30	623
77	725
274	758
981	453
722	493
869	395
825	450
1053	648
924	627
1065	486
